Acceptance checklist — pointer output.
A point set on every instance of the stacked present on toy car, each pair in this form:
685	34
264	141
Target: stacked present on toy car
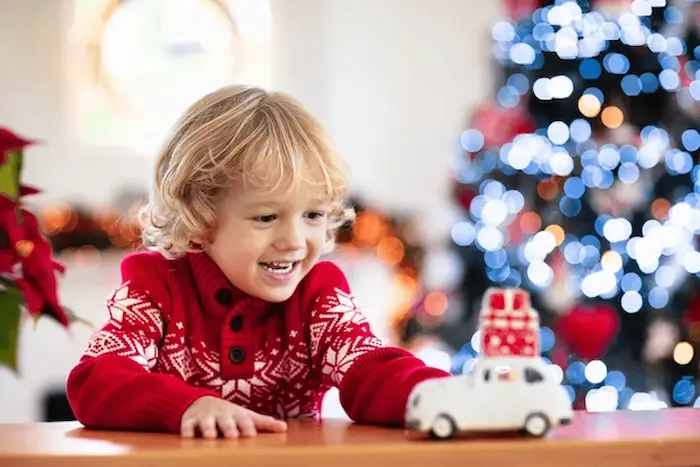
509	325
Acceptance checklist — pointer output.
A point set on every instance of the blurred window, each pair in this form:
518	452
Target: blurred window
137	64
533	376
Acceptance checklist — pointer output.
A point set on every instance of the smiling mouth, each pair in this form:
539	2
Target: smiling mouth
280	268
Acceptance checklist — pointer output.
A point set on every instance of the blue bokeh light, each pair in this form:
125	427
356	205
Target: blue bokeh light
691	139
547	339
576	373
574	187
472	140
590	69
684	391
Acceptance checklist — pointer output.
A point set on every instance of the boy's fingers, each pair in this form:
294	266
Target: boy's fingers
264	422
245	423
207	425
227	425
187	428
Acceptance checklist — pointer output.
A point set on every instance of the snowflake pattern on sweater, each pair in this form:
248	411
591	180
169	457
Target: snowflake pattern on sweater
337	318
178	330
136	326
131	310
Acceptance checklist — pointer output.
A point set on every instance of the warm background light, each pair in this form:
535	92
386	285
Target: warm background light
612	117
589	105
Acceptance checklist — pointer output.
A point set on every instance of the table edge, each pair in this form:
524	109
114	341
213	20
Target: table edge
355	450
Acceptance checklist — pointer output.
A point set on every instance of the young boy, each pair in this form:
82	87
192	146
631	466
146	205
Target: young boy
231	323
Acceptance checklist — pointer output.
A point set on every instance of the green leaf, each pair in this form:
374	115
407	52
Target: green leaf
10	174
10	312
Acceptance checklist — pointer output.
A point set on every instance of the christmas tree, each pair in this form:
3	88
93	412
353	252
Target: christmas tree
578	181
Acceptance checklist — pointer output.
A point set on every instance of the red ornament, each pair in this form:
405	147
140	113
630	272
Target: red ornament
500	125
509	326
588	331
685	76
611	6
692	313
465	196
517	9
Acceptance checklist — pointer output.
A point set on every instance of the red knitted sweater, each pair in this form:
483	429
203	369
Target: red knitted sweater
178	330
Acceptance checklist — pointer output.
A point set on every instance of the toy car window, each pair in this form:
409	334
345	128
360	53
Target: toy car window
533	376
468	367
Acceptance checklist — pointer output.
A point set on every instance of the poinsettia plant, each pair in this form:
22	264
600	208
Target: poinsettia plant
27	267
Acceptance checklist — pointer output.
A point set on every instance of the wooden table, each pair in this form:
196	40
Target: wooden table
669	437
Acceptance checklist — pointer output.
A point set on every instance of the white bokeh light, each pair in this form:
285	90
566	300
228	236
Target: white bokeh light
604	399
596	371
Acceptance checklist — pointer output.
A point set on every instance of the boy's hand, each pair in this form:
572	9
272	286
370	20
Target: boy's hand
208	413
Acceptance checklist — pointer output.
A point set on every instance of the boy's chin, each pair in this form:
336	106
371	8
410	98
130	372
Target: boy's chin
275	294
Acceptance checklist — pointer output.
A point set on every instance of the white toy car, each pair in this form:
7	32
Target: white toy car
498	394
510	387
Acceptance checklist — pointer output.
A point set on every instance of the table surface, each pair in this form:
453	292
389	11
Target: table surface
667	437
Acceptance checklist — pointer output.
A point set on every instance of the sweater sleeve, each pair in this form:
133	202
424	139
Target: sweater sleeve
374	380
112	386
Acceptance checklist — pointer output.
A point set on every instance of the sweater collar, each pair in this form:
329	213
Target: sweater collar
217	294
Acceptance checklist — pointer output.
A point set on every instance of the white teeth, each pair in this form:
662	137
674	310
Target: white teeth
278	268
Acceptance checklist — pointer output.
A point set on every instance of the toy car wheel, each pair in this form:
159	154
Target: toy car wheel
537	424
443	427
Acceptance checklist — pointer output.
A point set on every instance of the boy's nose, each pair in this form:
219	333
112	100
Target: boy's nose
292	237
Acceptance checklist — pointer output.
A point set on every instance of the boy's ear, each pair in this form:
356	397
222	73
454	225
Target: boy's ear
202	238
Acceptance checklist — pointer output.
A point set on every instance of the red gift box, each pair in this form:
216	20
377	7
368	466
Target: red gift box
509	325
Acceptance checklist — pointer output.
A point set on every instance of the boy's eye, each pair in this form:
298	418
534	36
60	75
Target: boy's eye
265	219
315	215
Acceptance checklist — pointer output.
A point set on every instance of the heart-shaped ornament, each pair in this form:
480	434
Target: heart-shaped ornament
588	331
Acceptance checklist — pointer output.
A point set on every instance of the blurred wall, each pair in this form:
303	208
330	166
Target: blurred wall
394	81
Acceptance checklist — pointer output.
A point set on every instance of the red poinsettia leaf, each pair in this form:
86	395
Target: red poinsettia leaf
10	312
26	190
8	262
33	300
59	267
38	270
41	303
29	221
56	312
10	140
6	203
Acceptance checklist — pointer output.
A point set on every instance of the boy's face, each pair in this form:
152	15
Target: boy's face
266	243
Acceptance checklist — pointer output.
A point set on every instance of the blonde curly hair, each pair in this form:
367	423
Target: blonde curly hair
265	140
